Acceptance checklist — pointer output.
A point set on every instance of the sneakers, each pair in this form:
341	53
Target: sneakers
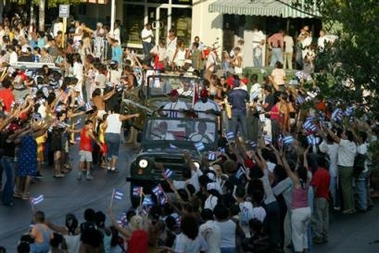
59	175
89	177
38	175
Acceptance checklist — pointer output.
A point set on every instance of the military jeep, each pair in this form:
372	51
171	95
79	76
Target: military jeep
148	98
164	140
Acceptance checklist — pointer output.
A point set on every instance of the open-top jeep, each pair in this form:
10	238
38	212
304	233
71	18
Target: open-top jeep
164	140
148	98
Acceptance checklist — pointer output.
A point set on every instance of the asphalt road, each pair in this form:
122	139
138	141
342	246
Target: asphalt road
67	195
348	233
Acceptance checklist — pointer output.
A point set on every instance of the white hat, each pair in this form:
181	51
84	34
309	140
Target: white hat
24	50
99	24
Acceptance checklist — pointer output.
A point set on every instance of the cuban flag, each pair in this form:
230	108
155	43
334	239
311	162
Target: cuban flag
268	139
253	144
62	125
137	191
287	140
240	172
117	194
37	200
312	140
337	115
199	146
80	100
147	201
157	190
212	156
167	173
280	138
349	111
254	95
230	136
300	100
88	107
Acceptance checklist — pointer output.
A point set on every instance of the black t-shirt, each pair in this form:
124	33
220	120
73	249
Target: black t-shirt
6	148
270	100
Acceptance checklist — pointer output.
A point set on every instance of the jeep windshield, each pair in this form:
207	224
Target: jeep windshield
163	84
180	133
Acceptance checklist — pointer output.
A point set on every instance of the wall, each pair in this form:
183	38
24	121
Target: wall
206	25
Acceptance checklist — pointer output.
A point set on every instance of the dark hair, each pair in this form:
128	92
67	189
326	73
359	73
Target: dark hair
363	135
207	214
88	121
254	78
255	225
240	191
71	223
56	240
350	135
195	44
221	212
302	172
100	219
6	83
190	227
258	197
89	213
170	222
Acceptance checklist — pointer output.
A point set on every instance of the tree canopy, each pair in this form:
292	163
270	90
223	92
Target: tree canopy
52	3
348	70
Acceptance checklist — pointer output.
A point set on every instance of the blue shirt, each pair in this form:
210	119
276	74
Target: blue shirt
117	54
238	99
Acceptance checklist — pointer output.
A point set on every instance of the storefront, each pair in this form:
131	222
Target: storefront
162	14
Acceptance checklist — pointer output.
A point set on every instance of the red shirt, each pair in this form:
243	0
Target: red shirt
8	97
320	182
85	143
139	242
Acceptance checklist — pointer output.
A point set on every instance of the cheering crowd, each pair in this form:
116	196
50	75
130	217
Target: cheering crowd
286	153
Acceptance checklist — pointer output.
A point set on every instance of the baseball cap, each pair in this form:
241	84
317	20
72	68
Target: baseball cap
173	93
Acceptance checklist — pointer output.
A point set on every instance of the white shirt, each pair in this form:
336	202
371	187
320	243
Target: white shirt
332	151
73	243
201	108
178	105
288	40
321	42
183	244
145	33
362	149
228	233
258	36
246	214
346	153
114	124
212	235
77	70
210	202
116	35
57	27
13	58
259	213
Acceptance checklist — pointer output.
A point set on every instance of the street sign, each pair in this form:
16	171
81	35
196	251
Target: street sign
64	10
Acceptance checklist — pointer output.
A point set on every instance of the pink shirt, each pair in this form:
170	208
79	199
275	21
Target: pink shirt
276	40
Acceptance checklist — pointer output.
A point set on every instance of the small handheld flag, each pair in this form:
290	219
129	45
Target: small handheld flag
137	191
240	172
212	156
117	194
268	139
147	201
199	146
37	200
167	173
253	144
230	136
287	140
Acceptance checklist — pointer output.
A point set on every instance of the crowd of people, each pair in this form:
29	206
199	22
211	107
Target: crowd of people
293	153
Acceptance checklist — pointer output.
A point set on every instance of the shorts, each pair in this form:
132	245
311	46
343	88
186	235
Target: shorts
85	156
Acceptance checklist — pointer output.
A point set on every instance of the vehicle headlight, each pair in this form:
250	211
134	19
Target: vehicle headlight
143	163
197	164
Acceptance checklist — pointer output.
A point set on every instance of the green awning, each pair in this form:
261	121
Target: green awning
276	8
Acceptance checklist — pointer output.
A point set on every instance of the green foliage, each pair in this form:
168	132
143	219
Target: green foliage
51	3
350	66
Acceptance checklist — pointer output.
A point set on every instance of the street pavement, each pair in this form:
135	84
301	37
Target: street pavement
67	195
348	233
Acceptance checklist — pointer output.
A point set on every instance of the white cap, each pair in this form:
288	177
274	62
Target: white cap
99	24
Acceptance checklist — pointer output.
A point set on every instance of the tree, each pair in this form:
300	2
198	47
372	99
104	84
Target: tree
42	6
349	68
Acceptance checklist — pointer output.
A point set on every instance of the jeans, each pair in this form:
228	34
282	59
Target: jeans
276	55
113	143
361	191
321	215
333	188
257	59
272	224
238	120
147	46
8	165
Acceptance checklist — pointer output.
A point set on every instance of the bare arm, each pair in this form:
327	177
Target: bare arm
129	116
